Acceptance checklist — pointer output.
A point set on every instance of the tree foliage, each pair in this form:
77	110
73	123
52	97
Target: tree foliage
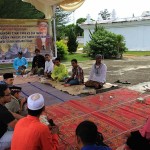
109	44
79	30
72	41
62	17
16	9
62	49
105	14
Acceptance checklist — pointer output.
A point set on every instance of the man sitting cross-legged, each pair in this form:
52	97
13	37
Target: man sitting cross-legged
48	66
20	64
38	63
60	72
97	76
77	76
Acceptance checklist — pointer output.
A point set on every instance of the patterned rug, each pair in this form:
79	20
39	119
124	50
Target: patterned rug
76	89
115	113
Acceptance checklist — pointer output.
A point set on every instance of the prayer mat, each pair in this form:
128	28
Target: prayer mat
76	89
114	112
31	85
50	94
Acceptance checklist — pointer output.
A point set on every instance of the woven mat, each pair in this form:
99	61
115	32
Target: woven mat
75	89
25	79
115	113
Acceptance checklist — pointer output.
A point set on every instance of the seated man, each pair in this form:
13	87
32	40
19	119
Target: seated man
38	63
20	64
48	66
7	118
77	76
8	78
87	137
60	71
30	133
16	104
97	76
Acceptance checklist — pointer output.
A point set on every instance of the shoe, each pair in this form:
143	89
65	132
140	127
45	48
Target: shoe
118	81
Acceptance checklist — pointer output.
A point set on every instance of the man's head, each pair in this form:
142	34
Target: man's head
37	52
15	91
8	78
47	57
74	63
20	55
98	58
86	133
35	104
57	61
5	95
43	26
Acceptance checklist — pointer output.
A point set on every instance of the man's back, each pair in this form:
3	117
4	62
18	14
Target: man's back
30	134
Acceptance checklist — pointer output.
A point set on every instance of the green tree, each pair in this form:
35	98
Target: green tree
62	49
105	14
61	20
106	43
72	41
16	9
79	30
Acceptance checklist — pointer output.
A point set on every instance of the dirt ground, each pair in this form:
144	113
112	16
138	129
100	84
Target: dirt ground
132	69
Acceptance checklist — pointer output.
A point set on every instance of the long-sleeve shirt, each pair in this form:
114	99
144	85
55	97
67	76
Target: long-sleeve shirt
20	62
38	61
77	73
101	76
31	134
60	72
49	66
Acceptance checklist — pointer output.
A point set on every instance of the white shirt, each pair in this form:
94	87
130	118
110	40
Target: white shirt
49	66
101	77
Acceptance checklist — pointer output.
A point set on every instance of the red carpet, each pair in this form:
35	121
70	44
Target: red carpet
115	112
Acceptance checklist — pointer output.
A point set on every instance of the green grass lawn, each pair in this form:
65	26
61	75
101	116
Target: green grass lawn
10	65
137	53
83	57
78	56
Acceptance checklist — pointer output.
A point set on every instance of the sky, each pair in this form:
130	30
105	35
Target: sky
123	8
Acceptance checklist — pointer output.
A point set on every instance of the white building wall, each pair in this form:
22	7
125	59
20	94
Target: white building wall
136	33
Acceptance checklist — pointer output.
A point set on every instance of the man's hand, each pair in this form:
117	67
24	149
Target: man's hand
54	129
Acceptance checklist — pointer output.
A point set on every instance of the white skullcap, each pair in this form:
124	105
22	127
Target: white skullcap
35	101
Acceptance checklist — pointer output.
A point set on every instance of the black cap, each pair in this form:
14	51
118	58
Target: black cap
20	53
8	75
15	89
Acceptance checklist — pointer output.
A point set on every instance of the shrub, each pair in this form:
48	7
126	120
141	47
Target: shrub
104	42
72	42
62	49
